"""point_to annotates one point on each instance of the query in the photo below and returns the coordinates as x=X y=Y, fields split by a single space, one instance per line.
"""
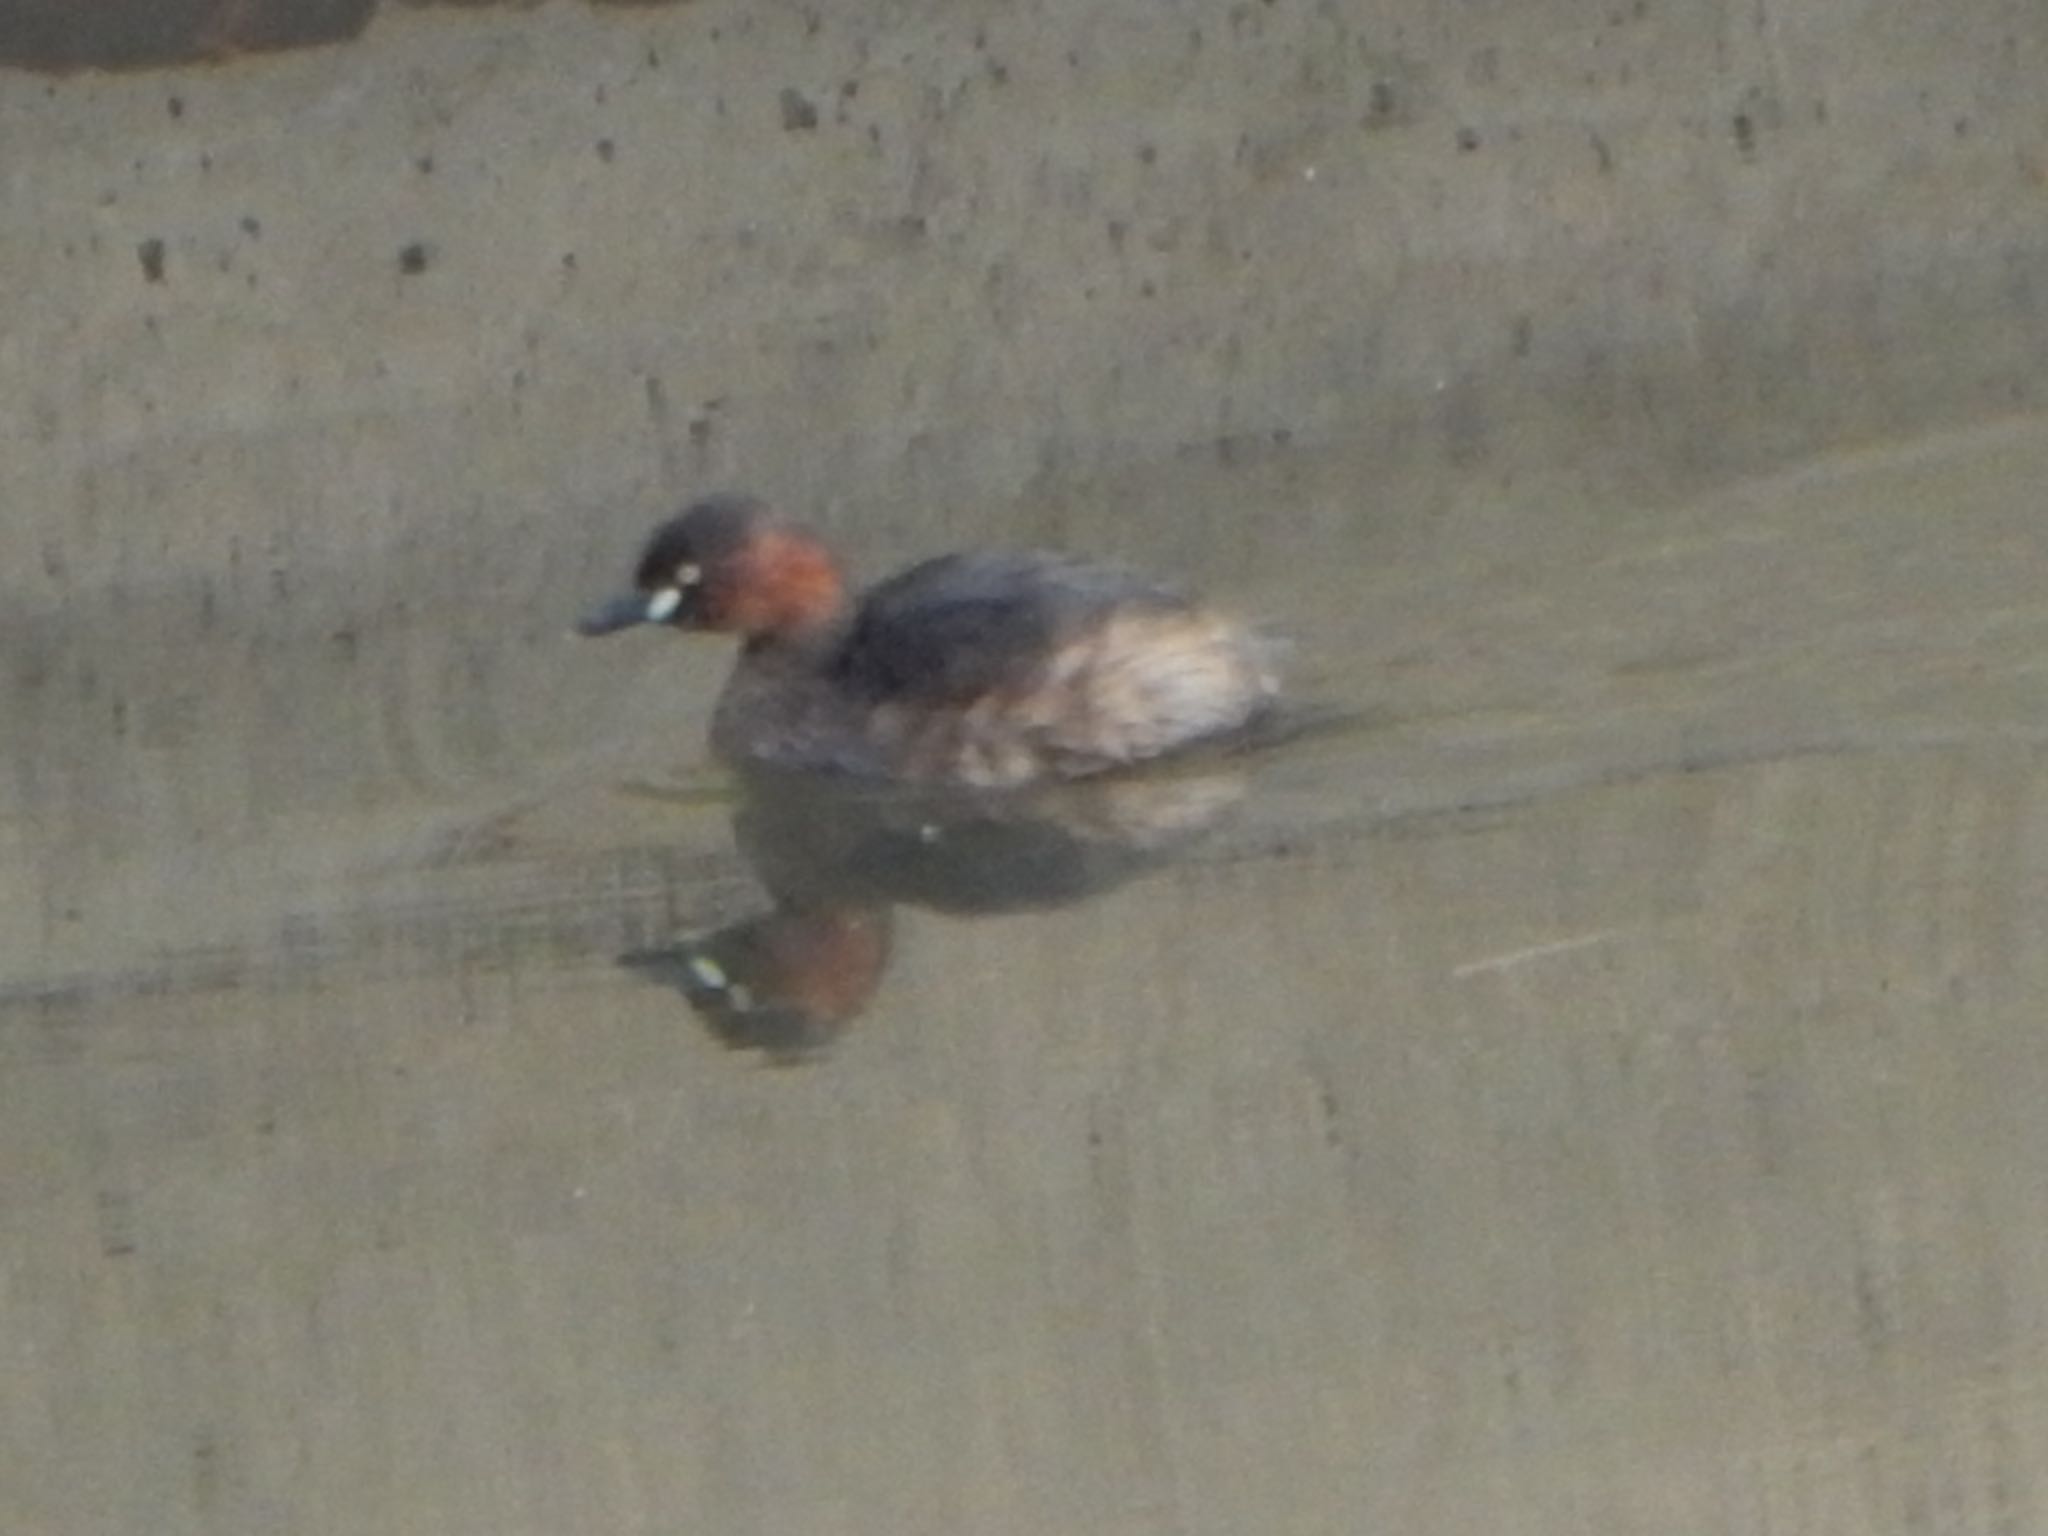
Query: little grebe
x=982 y=670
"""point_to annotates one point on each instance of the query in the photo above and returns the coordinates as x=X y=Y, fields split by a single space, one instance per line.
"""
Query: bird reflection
x=837 y=858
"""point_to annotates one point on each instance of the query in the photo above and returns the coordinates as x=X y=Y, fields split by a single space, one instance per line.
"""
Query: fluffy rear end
x=1147 y=683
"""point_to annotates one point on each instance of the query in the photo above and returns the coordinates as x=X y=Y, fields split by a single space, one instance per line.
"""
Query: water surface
x=1598 y=1089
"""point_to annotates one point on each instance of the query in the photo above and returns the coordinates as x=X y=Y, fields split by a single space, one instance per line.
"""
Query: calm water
x=1594 y=1086
x=1596 y=1089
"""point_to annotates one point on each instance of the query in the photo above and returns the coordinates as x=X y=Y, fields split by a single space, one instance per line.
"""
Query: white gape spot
x=708 y=972
x=662 y=605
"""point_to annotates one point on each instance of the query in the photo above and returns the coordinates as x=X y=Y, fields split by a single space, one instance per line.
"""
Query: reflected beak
x=621 y=613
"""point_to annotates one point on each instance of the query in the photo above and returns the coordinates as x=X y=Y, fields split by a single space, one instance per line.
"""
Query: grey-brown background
x=1602 y=1095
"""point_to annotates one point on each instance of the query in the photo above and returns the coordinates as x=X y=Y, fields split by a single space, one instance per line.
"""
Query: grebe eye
x=689 y=573
x=661 y=606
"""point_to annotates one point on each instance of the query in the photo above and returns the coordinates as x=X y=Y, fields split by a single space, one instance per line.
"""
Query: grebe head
x=729 y=564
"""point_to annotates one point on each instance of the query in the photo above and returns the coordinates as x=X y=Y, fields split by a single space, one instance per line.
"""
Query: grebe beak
x=654 y=607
